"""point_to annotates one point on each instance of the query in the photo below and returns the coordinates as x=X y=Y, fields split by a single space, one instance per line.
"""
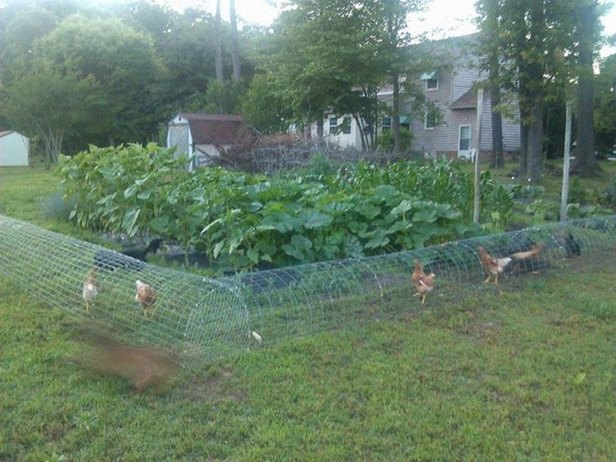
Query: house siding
x=456 y=77
x=343 y=140
x=443 y=140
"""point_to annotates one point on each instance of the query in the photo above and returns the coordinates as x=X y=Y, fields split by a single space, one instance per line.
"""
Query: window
x=431 y=84
x=386 y=123
x=346 y=125
x=431 y=80
x=333 y=124
x=431 y=119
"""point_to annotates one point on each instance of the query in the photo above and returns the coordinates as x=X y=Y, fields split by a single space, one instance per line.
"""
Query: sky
x=443 y=18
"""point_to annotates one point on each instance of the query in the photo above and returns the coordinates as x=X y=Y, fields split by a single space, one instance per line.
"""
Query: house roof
x=216 y=129
x=467 y=101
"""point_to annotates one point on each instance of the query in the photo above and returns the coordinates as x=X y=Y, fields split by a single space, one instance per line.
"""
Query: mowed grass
x=525 y=371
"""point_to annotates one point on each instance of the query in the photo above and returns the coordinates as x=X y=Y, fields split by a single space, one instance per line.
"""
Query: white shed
x=206 y=136
x=14 y=149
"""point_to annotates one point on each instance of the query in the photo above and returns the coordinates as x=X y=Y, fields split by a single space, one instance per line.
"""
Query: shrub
x=385 y=141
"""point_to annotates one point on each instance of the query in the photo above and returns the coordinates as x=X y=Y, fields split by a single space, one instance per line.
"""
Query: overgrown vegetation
x=241 y=220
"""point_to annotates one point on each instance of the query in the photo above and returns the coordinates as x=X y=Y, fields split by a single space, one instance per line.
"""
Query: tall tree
x=17 y=38
x=586 y=37
x=218 y=44
x=388 y=22
x=605 y=106
x=540 y=44
x=125 y=67
x=521 y=35
x=489 y=60
x=49 y=105
x=235 y=48
x=314 y=43
x=334 y=55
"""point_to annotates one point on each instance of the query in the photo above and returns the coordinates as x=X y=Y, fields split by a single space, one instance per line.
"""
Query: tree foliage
x=49 y=105
x=541 y=47
x=334 y=56
x=124 y=65
x=147 y=62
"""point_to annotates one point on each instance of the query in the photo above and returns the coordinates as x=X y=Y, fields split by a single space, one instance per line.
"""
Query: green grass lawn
x=35 y=195
x=525 y=371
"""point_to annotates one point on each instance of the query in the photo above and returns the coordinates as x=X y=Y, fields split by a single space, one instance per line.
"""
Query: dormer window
x=431 y=80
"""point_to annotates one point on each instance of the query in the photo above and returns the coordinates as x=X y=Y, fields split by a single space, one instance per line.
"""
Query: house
x=452 y=130
x=205 y=137
x=14 y=149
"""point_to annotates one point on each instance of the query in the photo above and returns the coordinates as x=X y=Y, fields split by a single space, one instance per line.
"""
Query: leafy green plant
x=541 y=210
x=242 y=220
x=121 y=189
x=385 y=141
x=608 y=195
x=576 y=192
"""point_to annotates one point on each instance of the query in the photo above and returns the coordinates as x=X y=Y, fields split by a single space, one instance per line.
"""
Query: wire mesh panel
x=206 y=318
x=181 y=311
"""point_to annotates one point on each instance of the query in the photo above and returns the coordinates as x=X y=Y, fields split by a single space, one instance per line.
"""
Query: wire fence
x=204 y=318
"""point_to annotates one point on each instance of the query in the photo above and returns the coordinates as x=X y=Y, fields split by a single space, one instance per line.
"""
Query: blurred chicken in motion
x=423 y=282
x=143 y=366
x=146 y=296
x=90 y=289
x=493 y=266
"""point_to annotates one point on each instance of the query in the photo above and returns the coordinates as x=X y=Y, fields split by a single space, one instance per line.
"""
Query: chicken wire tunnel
x=205 y=318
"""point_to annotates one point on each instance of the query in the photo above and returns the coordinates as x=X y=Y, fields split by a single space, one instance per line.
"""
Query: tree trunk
x=395 y=119
x=497 y=129
x=218 y=45
x=361 y=126
x=534 y=168
x=523 y=161
x=235 y=49
x=492 y=24
x=585 y=159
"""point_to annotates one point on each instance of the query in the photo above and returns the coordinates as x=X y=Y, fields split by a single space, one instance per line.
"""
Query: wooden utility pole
x=564 y=197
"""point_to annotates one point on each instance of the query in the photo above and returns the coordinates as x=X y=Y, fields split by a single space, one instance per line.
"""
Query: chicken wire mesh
x=204 y=318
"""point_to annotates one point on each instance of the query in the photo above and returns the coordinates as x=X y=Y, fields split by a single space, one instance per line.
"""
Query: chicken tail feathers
x=533 y=252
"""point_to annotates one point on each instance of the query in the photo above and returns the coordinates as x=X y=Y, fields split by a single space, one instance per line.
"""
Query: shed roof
x=216 y=129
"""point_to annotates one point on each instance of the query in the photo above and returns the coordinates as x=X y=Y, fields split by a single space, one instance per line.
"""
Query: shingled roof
x=467 y=101
x=217 y=129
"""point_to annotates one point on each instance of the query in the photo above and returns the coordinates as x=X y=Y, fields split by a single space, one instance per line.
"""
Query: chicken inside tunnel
x=199 y=318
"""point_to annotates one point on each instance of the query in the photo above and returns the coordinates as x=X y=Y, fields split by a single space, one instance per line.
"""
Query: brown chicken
x=146 y=296
x=491 y=265
x=423 y=282
x=90 y=289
